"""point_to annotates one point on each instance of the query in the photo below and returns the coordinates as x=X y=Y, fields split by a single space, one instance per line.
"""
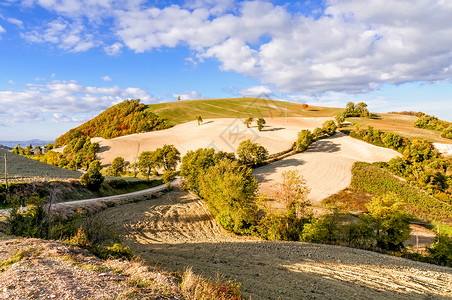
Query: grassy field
x=185 y=111
x=402 y=125
x=369 y=180
x=23 y=169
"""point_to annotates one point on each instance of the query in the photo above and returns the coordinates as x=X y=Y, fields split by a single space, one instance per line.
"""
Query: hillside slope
x=127 y=117
x=177 y=231
x=223 y=134
x=23 y=169
x=186 y=111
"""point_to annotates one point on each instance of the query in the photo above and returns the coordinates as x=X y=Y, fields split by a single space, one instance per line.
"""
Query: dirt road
x=176 y=231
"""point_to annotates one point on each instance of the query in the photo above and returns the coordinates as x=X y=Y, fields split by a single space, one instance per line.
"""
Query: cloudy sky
x=64 y=61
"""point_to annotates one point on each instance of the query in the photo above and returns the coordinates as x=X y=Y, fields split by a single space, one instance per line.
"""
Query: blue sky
x=64 y=61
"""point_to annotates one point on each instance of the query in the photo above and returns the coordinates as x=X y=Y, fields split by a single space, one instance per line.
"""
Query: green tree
x=168 y=177
x=230 y=190
x=260 y=124
x=199 y=119
x=92 y=179
x=248 y=122
x=329 y=127
x=441 y=249
x=167 y=157
x=250 y=153
x=292 y=191
x=350 y=109
x=361 y=110
x=118 y=167
x=305 y=139
x=318 y=133
x=388 y=222
x=196 y=163
x=340 y=118
x=147 y=162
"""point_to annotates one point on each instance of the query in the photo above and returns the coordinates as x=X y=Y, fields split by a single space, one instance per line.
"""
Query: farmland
x=22 y=169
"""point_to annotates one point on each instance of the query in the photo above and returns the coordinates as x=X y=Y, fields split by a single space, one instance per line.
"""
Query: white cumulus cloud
x=62 y=100
x=106 y=78
x=188 y=95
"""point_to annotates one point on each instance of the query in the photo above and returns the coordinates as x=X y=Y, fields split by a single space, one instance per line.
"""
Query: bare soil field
x=176 y=231
x=326 y=165
x=221 y=134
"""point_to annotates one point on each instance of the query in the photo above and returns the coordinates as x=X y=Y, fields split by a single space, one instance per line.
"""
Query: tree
x=199 y=119
x=340 y=118
x=318 y=132
x=118 y=167
x=388 y=222
x=168 y=176
x=305 y=139
x=361 y=110
x=260 y=124
x=147 y=162
x=178 y=98
x=250 y=153
x=293 y=192
x=230 y=190
x=92 y=179
x=167 y=157
x=248 y=122
x=350 y=108
x=329 y=127
x=304 y=105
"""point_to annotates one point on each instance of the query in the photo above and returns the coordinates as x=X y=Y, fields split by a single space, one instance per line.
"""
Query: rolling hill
x=185 y=111
x=131 y=116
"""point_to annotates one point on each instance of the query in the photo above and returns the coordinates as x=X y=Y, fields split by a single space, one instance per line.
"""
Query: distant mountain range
x=33 y=142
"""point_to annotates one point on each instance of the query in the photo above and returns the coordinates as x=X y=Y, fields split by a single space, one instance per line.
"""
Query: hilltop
x=185 y=111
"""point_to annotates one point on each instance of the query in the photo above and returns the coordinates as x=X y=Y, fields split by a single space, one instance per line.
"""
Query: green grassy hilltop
x=185 y=111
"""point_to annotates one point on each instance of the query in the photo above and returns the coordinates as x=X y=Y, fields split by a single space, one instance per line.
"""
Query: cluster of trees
x=306 y=137
x=78 y=154
x=230 y=190
x=433 y=123
x=421 y=164
x=125 y=118
x=260 y=123
x=384 y=227
x=358 y=110
x=165 y=158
